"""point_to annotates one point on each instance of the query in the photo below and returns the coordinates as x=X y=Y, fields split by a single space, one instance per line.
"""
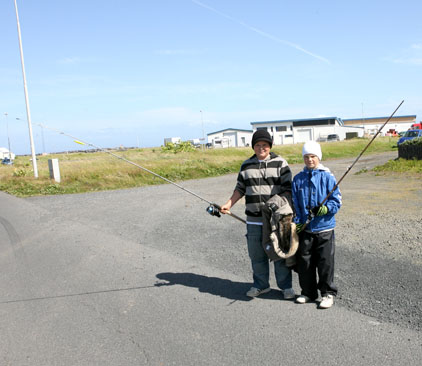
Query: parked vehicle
x=391 y=132
x=409 y=135
x=7 y=161
x=333 y=137
x=416 y=126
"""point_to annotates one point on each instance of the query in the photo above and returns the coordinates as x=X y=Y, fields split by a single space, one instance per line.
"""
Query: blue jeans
x=260 y=262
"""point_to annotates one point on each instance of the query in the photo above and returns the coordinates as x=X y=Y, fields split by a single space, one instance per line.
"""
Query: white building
x=372 y=125
x=195 y=142
x=4 y=153
x=295 y=131
x=230 y=137
x=172 y=140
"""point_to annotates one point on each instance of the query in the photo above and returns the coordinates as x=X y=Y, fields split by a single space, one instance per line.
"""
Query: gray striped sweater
x=259 y=181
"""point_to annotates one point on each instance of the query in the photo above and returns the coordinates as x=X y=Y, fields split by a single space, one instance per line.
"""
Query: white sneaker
x=326 y=302
x=289 y=293
x=254 y=292
x=302 y=299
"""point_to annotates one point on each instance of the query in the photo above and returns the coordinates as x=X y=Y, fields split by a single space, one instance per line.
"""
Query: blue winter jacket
x=309 y=188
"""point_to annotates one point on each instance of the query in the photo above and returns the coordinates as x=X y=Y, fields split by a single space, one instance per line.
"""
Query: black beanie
x=262 y=135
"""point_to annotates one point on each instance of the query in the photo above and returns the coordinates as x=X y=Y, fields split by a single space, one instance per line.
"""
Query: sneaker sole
x=305 y=301
x=325 y=307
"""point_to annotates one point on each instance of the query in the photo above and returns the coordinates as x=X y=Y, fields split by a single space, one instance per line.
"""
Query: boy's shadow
x=214 y=286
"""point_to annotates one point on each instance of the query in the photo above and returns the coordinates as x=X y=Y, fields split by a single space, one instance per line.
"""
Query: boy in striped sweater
x=262 y=176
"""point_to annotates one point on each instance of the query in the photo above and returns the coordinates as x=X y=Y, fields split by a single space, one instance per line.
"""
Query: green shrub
x=20 y=172
x=184 y=146
x=401 y=166
x=417 y=141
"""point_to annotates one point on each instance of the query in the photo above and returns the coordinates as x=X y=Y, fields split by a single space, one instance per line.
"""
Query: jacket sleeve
x=333 y=202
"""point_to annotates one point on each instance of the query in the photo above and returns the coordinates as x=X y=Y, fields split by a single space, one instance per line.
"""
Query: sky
x=134 y=72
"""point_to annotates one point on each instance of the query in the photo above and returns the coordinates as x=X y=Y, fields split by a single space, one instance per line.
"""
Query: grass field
x=88 y=172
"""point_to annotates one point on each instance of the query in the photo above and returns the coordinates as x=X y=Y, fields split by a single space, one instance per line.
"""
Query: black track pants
x=316 y=254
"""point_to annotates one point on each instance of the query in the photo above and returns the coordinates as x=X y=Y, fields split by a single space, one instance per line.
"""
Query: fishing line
x=361 y=153
x=213 y=208
x=311 y=213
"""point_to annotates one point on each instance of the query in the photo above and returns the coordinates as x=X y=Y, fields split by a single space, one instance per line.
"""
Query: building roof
x=372 y=120
x=229 y=129
x=296 y=120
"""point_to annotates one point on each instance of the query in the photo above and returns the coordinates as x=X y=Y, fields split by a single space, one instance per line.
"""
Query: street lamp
x=28 y=113
x=8 y=139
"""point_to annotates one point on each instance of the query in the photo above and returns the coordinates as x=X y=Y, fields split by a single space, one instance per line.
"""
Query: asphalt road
x=146 y=277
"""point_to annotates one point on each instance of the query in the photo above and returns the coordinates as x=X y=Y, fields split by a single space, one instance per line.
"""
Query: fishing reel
x=214 y=210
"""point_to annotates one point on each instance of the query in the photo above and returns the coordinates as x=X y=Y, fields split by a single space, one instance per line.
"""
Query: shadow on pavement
x=214 y=286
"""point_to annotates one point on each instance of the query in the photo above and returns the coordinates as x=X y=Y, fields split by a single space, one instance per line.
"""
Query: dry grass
x=86 y=172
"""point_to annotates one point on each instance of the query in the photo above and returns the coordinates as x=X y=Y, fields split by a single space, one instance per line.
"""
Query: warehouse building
x=371 y=125
x=295 y=131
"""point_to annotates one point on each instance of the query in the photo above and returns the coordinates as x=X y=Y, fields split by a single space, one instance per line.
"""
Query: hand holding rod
x=229 y=213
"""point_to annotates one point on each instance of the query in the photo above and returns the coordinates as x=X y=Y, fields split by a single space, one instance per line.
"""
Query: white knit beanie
x=312 y=147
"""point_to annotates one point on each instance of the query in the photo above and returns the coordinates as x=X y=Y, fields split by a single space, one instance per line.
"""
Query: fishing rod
x=213 y=209
x=312 y=213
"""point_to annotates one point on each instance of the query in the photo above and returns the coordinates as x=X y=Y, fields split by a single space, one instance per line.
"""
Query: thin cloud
x=78 y=60
x=69 y=60
x=408 y=61
x=409 y=56
x=262 y=33
x=176 y=52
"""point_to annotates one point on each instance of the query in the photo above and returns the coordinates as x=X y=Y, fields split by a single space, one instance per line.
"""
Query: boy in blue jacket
x=316 y=239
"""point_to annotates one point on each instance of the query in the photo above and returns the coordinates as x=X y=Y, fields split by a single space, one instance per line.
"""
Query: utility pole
x=28 y=112
x=203 y=131
x=8 y=138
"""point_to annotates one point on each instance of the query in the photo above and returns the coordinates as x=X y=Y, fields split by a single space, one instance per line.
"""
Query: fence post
x=53 y=166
